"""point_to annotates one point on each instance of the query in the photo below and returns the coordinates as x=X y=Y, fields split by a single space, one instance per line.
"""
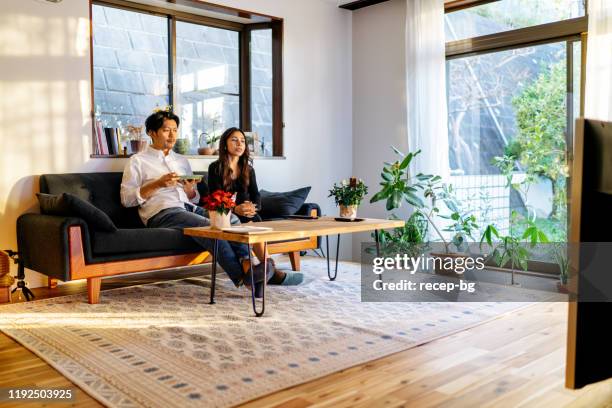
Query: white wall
x=379 y=98
x=45 y=101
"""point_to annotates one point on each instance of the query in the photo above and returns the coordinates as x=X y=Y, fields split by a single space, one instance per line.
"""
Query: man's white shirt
x=150 y=165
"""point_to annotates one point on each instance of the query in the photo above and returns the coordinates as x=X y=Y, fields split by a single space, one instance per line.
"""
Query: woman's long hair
x=244 y=162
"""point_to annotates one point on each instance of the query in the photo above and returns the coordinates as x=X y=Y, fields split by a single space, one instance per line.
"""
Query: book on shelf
x=100 y=138
x=111 y=140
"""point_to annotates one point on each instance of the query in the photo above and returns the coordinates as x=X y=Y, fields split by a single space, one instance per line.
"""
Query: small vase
x=348 y=211
x=219 y=220
x=138 y=145
x=181 y=146
x=206 y=151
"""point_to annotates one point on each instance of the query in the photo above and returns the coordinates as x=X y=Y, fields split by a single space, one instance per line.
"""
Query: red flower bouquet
x=220 y=201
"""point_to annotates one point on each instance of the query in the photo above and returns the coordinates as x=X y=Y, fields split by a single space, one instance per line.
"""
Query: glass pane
x=577 y=48
x=130 y=53
x=207 y=76
x=505 y=15
x=507 y=135
x=261 y=91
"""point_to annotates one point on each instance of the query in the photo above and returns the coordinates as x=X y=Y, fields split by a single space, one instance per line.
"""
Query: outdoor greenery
x=523 y=13
x=539 y=147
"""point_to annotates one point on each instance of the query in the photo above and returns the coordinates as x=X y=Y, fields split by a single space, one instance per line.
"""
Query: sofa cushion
x=70 y=205
x=275 y=204
x=100 y=189
x=103 y=191
x=141 y=240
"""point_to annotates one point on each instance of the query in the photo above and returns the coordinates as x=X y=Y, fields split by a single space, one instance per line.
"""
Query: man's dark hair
x=156 y=120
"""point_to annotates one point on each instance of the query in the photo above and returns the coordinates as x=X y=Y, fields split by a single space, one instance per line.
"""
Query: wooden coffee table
x=287 y=230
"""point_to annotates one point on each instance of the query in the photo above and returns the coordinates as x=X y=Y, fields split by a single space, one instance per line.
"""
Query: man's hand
x=167 y=180
x=190 y=187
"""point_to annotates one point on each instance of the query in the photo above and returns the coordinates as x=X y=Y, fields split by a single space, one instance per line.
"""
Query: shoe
x=258 y=272
x=292 y=279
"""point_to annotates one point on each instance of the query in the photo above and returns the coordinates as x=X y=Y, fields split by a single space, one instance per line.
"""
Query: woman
x=234 y=172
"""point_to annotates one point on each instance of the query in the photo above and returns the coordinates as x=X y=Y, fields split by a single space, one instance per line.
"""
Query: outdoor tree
x=539 y=146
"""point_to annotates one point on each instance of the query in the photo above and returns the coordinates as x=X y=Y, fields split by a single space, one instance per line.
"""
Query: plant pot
x=562 y=288
x=348 y=211
x=205 y=151
x=181 y=146
x=138 y=145
x=439 y=267
x=219 y=220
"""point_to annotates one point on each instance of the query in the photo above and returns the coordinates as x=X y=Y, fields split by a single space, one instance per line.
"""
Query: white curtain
x=598 y=93
x=426 y=86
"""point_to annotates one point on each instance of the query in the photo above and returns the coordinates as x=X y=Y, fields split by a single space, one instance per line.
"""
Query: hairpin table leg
x=377 y=240
x=213 y=279
x=263 y=296
x=327 y=253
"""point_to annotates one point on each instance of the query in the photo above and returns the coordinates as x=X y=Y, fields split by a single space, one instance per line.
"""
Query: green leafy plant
x=398 y=186
x=409 y=239
x=349 y=192
x=512 y=248
x=558 y=252
x=463 y=223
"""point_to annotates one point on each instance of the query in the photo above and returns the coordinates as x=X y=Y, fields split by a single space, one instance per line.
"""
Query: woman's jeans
x=228 y=253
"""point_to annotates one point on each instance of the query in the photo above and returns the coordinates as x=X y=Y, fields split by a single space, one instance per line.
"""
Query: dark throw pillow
x=282 y=204
x=70 y=205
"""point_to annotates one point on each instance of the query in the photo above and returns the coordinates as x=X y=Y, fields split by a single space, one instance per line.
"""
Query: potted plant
x=398 y=186
x=463 y=225
x=212 y=141
x=181 y=146
x=559 y=254
x=409 y=239
x=511 y=250
x=204 y=148
x=348 y=196
x=219 y=205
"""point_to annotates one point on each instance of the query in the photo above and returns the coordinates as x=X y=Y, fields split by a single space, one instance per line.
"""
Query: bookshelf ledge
x=195 y=156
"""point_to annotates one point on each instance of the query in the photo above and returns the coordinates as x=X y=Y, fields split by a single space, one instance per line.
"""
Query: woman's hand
x=246 y=209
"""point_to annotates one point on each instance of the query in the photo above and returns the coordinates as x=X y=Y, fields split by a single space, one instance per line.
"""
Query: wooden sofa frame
x=95 y=272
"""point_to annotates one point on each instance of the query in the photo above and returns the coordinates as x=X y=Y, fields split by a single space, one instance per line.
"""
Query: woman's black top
x=215 y=182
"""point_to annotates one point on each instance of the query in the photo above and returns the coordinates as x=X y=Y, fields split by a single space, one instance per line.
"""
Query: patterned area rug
x=163 y=345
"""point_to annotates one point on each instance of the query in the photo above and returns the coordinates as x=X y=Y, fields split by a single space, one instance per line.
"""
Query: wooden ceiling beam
x=449 y=5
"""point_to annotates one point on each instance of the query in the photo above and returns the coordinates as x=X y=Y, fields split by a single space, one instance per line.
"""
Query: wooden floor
x=514 y=361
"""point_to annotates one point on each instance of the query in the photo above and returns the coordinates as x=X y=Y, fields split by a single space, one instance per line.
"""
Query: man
x=150 y=181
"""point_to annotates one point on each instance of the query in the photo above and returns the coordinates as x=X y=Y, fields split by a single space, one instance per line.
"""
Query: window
x=208 y=81
x=505 y=15
x=130 y=65
x=513 y=94
x=215 y=73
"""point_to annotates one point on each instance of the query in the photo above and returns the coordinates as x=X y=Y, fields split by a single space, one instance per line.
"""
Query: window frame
x=244 y=30
x=568 y=31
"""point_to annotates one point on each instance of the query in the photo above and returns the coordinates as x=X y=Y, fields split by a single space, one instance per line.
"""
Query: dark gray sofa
x=46 y=243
